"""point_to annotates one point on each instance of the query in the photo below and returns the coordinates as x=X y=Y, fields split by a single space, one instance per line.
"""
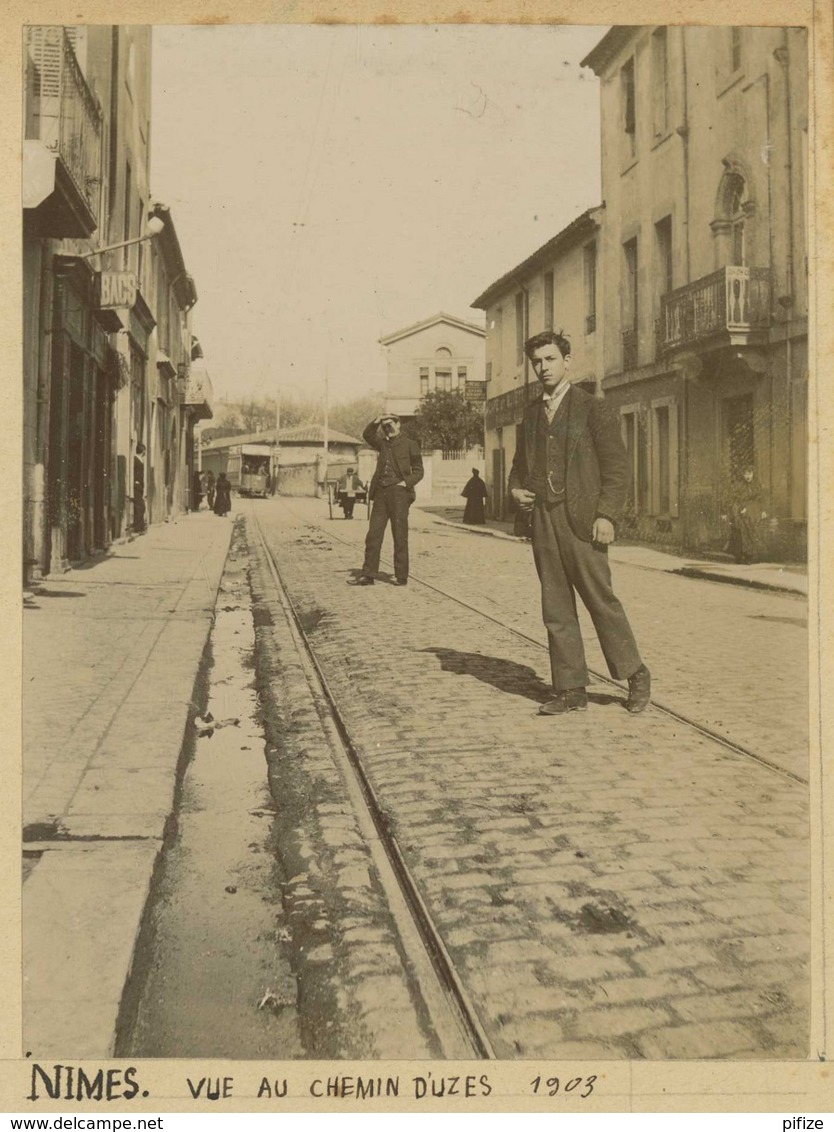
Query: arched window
x=734 y=212
x=443 y=369
x=735 y=194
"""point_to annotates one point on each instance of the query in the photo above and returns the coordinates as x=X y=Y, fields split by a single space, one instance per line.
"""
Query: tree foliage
x=445 y=419
x=352 y=417
x=259 y=415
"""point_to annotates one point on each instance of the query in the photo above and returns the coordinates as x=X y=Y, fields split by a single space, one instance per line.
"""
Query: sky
x=330 y=185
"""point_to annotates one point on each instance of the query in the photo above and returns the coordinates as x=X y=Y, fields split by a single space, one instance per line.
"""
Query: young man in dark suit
x=570 y=471
x=399 y=468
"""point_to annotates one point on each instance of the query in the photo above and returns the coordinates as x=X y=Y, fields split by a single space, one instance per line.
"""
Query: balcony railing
x=630 y=349
x=732 y=301
x=63 y=113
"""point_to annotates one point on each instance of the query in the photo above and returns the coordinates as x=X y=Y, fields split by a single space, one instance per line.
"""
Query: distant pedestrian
x=348 y=487
x=570 y=471
x=474 y=493
x=747 y=519
x=139 y=488
x=222 y=495
x=196 y=491
x=399 y=468
x=210 y=489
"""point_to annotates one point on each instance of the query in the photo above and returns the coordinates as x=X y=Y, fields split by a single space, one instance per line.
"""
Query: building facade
x=441 y=353
x=172 y=411
x=704 y=303
x=99 y=381
x=299 y=463
x=557 y=286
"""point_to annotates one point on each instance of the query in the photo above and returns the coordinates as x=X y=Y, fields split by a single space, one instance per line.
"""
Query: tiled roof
x=301 y=434
x=600 y=56
x=583 y=225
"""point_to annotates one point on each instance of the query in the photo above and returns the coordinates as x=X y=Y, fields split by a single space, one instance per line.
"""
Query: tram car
x=255 y=463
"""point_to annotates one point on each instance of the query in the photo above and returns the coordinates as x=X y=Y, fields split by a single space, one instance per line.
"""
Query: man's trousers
x=568 y=565
x=390 y=503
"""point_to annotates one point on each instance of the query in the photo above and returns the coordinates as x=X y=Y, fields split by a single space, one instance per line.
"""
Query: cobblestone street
x=422 y=566
x=607 y=885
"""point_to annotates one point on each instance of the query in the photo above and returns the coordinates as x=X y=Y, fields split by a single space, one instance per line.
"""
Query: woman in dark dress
x=474 y=493
x=222 y=495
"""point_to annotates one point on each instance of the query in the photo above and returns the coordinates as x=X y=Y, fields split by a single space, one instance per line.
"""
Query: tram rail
x=666 y=709
x=464 y=1028
x=453 y=1016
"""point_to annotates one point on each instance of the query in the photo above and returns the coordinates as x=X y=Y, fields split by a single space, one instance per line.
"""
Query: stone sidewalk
x=792 y=578
x=111 y=653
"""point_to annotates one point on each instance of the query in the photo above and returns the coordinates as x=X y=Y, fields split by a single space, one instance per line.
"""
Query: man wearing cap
x=570 y=471
x=347 y=489
x=399 y=468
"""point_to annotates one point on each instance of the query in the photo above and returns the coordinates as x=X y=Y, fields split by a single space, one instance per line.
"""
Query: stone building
x=178 y=389
x=440 y=353
x=299 y=464
x=106 y=330
x=704 y=301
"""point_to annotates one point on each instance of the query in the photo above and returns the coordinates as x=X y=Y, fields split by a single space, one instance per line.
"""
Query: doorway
x=77 y=486
x=498 y=498
x=738 y=435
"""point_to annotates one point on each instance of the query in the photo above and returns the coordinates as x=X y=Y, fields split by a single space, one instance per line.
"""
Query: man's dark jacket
x=596 y=472
x=406 y=454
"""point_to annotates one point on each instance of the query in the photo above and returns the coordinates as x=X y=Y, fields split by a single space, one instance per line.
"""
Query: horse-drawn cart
x=338 y=499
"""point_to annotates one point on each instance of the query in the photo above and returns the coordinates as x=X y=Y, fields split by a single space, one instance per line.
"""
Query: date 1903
x=553 y=1086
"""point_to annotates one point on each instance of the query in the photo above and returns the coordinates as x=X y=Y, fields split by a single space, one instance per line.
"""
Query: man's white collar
x=558 y=392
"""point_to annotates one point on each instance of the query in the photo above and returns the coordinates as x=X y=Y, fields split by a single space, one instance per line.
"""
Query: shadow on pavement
x=603 y=698
x=505 y=675
x=60 y=593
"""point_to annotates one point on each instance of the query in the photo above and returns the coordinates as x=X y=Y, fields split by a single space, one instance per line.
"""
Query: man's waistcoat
x=592 y=461
x=547 y=478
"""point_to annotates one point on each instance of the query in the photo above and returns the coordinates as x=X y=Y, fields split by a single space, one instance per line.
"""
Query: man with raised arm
x=399 y=468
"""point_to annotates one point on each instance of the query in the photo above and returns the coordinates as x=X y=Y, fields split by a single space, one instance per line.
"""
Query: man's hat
x=389 y=417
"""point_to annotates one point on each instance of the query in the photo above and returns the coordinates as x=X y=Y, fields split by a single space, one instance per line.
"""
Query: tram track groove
x=525 y=941
x=737 y=749
x=453 y=1016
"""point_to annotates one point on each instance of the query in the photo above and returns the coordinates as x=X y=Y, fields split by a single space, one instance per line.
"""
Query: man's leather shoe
x=362 y=580
x=639 y=690
x=401 y=581
x=573 y=699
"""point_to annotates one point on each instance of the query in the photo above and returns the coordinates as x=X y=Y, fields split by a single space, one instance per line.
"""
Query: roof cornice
x=450 y=319
x=169 y=244
x=611 y=43
x=579 y=229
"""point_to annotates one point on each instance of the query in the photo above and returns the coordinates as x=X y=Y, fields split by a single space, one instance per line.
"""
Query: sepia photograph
x=511 y=318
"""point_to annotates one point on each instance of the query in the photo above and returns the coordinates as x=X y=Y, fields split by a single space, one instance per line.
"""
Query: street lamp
x=154 y=227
